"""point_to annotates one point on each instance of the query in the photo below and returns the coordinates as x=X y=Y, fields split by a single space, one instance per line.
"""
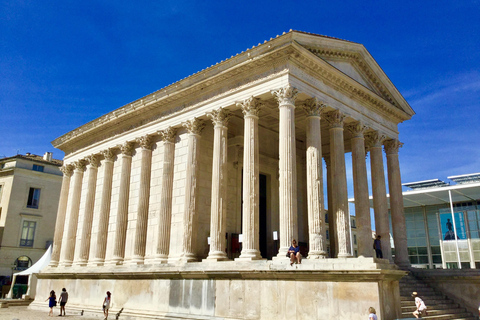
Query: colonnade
x=363 y=138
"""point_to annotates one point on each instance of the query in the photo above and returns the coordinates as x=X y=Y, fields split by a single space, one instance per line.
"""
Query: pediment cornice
x=357 y=60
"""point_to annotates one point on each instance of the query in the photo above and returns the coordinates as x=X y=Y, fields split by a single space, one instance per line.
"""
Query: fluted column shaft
x=104 y=215
x=331 y=212
x=251 y=187
x=339 y=184
x=61 y=212
x=123 y=200
x=379 y=192
x=396 y=203
x=165 y=215
x=315 y=180
x=194 y=128
x=88 y=213
x=287 y=168
x=218 y=217
x=360 y=189
x=73 y=214
x=146 y=143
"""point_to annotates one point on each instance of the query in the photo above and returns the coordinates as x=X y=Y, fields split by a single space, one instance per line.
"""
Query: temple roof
x=362 y=78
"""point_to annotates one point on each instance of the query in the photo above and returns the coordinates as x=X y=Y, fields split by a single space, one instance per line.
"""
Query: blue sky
x=65 y=63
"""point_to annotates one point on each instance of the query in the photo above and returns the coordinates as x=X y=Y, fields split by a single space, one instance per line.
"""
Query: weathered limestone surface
x=310 y=291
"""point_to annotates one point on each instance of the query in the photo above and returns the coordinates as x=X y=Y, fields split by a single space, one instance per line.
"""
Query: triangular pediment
x=354 y=61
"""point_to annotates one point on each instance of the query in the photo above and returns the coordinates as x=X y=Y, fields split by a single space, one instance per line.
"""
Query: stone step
x=435 y=312
x=448 y=316
x=406 y=308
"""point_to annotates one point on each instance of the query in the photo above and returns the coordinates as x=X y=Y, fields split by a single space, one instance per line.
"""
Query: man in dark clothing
x=377 y=245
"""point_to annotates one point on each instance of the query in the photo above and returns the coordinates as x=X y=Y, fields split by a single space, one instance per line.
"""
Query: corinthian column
x=287 y=168
x=218 y=222
x=104 y=207
x=331 y=214
x=396 y=203
x=146 y=143
x=165 y=216
x=69 y=251
x=379 y=191
x=360 y=189
x=316 y=225
x=194 y=128
x=339 y=184
x=251 y=188
x=123 y=198
x=62 y=210
x=88 y=213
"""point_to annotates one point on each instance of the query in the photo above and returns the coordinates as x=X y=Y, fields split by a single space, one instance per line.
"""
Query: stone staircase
x=439 y=307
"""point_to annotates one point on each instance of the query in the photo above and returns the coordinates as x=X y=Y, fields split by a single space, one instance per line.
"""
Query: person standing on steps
x=421 y=307
x=373 y=314
x=106 y=304
x=63 y=301
x=377 y=245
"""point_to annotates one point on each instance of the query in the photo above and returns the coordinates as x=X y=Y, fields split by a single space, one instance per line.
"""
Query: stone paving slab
x=23 y=313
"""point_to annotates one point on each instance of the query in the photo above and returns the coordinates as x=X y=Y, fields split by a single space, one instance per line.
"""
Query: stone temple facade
x=157 y=193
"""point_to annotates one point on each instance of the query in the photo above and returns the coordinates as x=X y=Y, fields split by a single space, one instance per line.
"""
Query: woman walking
x=106 y=304
x=51 y=302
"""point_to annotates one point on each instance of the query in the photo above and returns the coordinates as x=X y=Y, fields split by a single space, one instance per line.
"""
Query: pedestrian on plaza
x=377 y=245
x=106 y=304
x=421 y=307
x=63 y=301
x=373 y=314
x=52 y=302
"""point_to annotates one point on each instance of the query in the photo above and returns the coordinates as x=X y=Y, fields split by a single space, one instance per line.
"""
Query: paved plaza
x=23 y=313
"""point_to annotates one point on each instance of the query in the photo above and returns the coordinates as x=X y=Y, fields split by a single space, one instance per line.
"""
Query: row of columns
x=336 y=180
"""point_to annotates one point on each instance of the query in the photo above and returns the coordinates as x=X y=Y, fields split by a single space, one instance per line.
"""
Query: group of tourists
x=52 y=302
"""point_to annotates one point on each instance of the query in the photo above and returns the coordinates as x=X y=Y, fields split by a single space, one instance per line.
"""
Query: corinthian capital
x=168 y=135
x=313 y=107
x=80 y=165
x=93 y=160
x=108 y=154
x=335 y=118
x=250 y=106
x=194 y=126
x=219 y=117
x=126 y=148
x=146 y=142
x=374 y=139
x=392 y=145
x=357 y=129
x=67 y=170
x=285 y=95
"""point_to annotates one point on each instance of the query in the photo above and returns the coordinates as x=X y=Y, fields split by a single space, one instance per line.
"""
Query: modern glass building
x=443 y=222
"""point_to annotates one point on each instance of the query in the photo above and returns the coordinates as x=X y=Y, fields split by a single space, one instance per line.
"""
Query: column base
x=216 y=256
x=80 y=263
x=317 y=255
x=65 y=264
x=184 y=258
x=160 y=259
x=115 y=261
x=344 y=255
x=248 y=255
x=136 y=260
x=53 y=264
x=96 y=262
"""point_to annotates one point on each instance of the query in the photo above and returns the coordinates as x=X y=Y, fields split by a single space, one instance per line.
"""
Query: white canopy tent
x=31 y=273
